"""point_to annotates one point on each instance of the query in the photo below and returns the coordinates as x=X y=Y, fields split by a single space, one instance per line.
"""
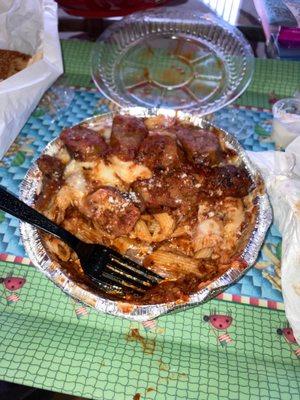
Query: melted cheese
x=63 y=155
x=219 y=227
x=233 y=218
x=208 y=234
x=105 y=173
x=129 y=171
x=74 y=177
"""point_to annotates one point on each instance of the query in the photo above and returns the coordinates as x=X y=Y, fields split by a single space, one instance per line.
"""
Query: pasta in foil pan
x=167 y=189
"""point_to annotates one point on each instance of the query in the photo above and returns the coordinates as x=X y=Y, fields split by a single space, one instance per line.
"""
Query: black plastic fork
x=102 y=264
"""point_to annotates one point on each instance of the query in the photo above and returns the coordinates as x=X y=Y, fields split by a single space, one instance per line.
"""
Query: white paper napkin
x=28 y=26
x=281 y=171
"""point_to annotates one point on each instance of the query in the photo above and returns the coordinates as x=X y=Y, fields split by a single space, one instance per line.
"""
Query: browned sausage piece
x=107 y=207
x=160 y=152
x=174 y=190
x=227 y=181
x=127 y=134
x=51 y=167
x=202 y=147
x=84 y=144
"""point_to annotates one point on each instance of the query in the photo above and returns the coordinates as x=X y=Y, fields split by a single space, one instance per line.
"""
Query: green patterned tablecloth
x=52 y=342
x=219 y=351
x=272 y=78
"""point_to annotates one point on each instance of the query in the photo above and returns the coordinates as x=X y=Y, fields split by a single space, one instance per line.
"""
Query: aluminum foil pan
x=38 y=255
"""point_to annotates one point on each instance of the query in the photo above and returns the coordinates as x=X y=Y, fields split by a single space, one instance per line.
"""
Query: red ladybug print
x=288 y=334
x=13 y=283
x=219 y=322
x=289 y=337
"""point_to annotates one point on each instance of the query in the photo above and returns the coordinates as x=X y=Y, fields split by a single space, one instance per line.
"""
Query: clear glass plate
x=166 y=59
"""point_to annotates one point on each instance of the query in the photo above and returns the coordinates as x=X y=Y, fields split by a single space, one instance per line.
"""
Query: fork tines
x=125 y=272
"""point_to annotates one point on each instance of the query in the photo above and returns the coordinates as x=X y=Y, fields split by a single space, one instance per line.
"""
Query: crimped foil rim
x=37 y=253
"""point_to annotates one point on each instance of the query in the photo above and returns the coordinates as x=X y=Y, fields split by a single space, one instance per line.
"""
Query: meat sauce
x=156 y=219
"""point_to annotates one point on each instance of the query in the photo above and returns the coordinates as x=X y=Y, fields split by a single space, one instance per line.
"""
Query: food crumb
x=150 y=389
x=125 y=307
x=148 y=345
x=137 y=396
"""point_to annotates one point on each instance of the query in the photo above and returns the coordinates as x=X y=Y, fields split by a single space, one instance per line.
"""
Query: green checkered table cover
x=50 y=341
x=221 y=350
x=272 y=78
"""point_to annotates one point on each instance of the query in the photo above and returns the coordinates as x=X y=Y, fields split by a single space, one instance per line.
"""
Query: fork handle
x=12 y=205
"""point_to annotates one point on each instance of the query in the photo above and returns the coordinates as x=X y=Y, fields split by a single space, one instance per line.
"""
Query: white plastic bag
x=28 y=26
x=281 y=171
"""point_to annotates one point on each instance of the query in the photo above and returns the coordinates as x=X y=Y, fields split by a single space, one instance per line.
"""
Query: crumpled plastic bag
x=28 y=26
x=281 y=172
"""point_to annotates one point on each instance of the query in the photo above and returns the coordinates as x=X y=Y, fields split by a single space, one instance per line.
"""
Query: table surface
x=50 y=341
